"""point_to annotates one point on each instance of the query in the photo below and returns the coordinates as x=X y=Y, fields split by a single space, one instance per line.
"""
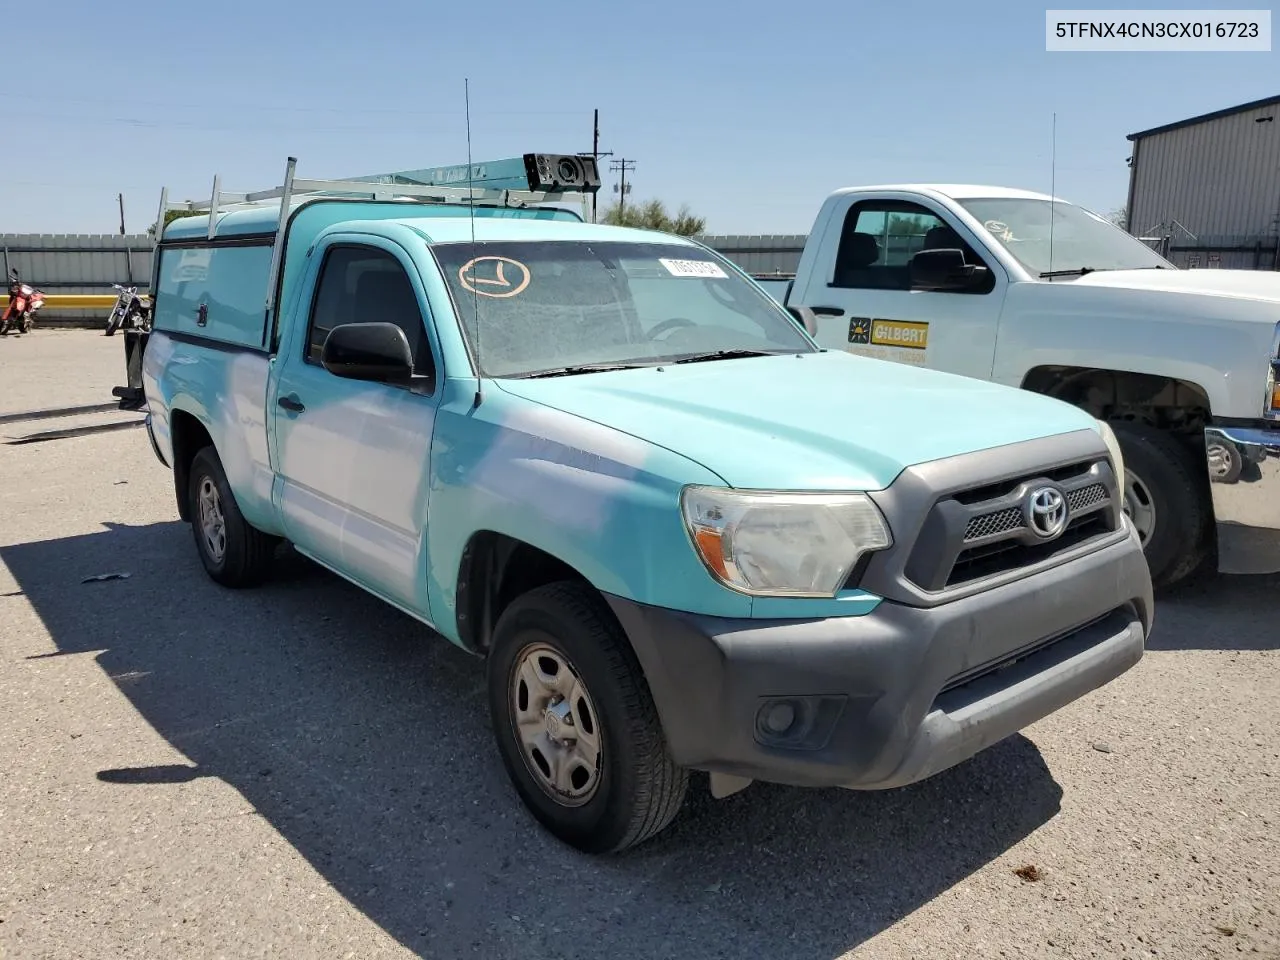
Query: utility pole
x=128 y=254
x=596 y=155
x=622 y=166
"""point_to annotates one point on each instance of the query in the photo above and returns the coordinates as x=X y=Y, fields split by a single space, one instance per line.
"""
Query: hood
x=1249 y=284
x=829 y=420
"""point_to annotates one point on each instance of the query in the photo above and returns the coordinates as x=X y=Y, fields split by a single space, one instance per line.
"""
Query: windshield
x=533 y=307
x=1081 y=240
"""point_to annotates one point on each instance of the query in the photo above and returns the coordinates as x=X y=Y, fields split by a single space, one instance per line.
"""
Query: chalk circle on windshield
x=1000 y=229
x=494 y=277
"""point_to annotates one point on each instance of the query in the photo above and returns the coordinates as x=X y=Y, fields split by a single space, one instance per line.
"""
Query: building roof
x=1216 y=114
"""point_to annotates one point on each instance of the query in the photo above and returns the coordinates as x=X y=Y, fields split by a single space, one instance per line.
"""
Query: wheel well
x=189 y=437
x=1164 y=402
x=495 y=570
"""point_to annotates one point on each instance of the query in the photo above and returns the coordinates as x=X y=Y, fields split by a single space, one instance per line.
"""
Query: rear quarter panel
x=225 y=391
x=215 y=371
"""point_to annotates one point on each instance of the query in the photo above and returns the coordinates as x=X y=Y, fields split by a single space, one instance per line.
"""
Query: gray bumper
x=1246 y=497
x=899 y=694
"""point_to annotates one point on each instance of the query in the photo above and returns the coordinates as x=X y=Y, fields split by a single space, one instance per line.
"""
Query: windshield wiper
x=725 y=355
x=1078 y=272
x=583 y=368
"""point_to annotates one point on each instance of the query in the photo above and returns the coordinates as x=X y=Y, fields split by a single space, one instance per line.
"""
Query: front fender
x=1214 y=342
x=604 y=502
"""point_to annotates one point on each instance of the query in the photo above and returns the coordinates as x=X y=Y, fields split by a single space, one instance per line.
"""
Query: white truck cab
x=1030 y=290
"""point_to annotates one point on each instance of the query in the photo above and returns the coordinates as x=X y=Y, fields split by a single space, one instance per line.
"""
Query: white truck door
x=861 y=288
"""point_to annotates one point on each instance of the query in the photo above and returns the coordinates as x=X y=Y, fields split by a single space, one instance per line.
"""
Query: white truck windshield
x=530 y=308
x=1082 y=241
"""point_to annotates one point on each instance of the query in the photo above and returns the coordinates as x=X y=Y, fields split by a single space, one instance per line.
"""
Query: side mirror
x=945 y=270
x=368 y=351
x=807 y=319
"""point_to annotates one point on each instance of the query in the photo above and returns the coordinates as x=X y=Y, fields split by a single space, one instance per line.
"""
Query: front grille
x=978 y=563
x=1010 y=518
x=983 y=531
x=1086 y=497
x=988 y=525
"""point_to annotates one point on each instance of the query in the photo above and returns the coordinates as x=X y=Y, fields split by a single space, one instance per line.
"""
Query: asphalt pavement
x=301 y=771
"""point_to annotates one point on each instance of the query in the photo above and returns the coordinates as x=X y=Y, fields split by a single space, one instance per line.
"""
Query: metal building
x=1211 y=186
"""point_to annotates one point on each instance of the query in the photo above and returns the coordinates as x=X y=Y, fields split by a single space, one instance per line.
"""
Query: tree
x=169 y=217
x=652 y=215
x=1120 y=217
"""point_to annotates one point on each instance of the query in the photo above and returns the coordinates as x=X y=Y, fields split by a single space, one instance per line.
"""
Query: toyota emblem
x=1047 y=512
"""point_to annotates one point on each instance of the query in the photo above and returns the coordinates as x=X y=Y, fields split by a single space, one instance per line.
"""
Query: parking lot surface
x=301 y=771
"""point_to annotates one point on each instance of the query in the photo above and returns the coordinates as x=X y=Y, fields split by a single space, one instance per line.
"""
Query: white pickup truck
x=1032 y=291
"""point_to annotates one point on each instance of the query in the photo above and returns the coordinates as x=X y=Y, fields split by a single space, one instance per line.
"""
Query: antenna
x=471 y=213
x=1053 y=182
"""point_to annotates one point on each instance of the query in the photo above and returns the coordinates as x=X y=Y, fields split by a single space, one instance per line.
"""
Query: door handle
x=828 y=311
x=292 y=404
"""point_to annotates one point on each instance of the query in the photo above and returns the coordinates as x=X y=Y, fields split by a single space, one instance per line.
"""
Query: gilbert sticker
x=889 y=333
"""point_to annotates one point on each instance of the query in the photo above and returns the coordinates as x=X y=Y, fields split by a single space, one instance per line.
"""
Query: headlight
x=1113 y=447
x=768 y=543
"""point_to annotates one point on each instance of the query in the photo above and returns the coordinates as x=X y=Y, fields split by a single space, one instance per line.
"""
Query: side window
x=366 y=285
x=879 y=238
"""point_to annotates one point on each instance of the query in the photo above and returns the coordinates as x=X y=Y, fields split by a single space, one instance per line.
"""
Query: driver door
x=862 y=295
x=353 y=457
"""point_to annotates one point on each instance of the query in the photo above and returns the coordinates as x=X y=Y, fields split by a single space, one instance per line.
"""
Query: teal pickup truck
x=681 y=535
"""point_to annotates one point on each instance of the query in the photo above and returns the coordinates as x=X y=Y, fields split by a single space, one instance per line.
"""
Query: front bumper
x=1246 y=502
x=899 y=694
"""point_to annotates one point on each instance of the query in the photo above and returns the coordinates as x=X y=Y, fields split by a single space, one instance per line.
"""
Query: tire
x=1167 y=497
x=1225 y=462
x=114 y=322
x=637 y=789
x=245 y=553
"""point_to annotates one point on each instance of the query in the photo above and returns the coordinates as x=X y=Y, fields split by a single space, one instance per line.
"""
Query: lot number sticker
x=703 y=269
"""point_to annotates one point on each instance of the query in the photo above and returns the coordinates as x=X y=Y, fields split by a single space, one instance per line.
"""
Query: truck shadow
x=365 y=742
x=1219 y=612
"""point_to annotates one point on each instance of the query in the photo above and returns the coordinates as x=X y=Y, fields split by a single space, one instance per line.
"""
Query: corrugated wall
x=772 y=253
x=1220 y=177
x=77 y=263
x=91 y=263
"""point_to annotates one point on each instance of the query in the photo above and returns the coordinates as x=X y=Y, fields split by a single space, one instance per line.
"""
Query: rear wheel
x=234 y=553
x=1167 y=499
x=575 y=723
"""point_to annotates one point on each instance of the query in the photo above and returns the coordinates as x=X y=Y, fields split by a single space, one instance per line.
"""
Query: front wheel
x=575 y=723
x=1166 y=498
x=234 y=553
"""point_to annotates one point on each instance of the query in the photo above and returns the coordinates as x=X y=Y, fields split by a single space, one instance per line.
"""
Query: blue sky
x=750 y=112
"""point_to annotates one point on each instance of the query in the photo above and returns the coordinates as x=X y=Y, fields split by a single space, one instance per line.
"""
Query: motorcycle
x=25 y=301
x=132 y=310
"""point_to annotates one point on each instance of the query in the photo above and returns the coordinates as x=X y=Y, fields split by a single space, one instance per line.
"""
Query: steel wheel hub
x=1219 y=461
x=556 y=724
x=213 y=526
x=1139 y=505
